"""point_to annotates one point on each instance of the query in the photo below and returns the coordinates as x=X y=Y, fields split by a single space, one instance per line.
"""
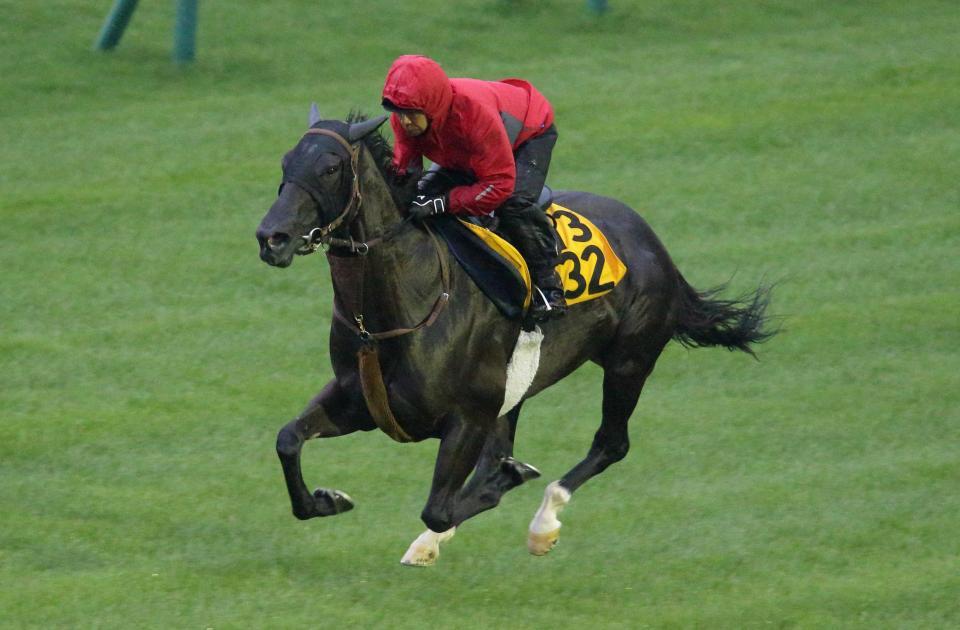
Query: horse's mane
x=402 y=188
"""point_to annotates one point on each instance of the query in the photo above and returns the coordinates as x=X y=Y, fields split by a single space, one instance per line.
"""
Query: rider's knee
x=517 y=204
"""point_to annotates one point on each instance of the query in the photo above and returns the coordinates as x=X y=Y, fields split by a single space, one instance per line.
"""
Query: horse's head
x=320 y=190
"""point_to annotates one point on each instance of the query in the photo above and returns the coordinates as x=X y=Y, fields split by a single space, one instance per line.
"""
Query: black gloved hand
x=423 y=206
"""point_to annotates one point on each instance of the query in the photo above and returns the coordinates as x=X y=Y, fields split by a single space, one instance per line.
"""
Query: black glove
x=423 y=206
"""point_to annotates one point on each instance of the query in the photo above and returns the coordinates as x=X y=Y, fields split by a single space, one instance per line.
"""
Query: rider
x=501 y=133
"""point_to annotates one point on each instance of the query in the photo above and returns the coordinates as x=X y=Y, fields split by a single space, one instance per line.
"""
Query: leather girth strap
x=375 y=393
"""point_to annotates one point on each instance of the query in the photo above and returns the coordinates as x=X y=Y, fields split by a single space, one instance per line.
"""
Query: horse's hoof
x=520 y=471
x=541 y=544
x=545 y=527
x=330 y=502
x=425 y=550
x=420 y=556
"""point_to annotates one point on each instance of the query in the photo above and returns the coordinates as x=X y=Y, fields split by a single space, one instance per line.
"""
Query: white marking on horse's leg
x=522 y=368
x=545 y=527
x=425 y=550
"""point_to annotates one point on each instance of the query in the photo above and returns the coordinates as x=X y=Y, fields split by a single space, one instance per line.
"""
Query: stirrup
x=543 y=309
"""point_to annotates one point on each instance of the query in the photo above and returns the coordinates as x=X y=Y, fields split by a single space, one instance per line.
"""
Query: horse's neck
x=399 y=277
x=379 y=212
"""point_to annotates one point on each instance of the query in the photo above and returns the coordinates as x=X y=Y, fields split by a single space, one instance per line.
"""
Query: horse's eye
x=331 y=170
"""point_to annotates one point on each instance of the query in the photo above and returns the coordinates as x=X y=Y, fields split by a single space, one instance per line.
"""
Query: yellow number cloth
x=589 y=267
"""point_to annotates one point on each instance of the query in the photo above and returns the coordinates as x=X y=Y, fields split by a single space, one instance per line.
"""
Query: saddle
x=588 y=269
x=495 y=266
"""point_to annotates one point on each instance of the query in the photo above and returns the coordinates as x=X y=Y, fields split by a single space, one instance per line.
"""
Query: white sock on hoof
x=555 y=498
x=425 y=550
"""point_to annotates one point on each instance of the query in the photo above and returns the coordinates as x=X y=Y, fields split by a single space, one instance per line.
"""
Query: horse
x=419 y=352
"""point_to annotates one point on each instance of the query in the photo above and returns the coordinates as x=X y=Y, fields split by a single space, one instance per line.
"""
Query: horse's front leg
x=460 y=448
x=330 y=414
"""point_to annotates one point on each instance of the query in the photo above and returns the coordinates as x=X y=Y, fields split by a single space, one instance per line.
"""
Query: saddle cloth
x=588 y=269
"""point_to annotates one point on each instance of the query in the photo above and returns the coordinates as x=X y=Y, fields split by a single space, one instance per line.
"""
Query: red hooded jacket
x=475 y=126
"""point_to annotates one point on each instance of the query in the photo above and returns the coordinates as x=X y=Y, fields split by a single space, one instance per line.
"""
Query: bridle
x=320 y=236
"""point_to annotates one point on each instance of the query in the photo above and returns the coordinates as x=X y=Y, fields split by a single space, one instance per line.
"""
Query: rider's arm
x=492 y=164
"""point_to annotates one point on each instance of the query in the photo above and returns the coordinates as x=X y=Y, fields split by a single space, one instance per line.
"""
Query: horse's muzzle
x=275 y=248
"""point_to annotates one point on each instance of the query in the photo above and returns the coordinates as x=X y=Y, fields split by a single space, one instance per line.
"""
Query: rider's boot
x=537 y=243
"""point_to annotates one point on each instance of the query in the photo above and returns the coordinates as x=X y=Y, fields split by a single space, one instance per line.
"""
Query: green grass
x=147 y=356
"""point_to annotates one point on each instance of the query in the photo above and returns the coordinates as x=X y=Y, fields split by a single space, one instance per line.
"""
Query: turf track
x=147 y=357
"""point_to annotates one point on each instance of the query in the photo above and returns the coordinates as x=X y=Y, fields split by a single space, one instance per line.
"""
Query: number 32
x=590 y=251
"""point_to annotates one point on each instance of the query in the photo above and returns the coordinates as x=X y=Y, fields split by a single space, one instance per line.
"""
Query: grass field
x=147 y=356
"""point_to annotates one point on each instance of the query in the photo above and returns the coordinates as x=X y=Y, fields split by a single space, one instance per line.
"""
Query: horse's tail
x=735 y=324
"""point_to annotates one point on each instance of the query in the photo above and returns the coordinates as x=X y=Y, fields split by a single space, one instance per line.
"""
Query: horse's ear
x=361 y=129
x=315 y=116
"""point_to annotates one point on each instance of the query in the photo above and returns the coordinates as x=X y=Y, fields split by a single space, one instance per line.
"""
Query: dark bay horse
x=441 y=348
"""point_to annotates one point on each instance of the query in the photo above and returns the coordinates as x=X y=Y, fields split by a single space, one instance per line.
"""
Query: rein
x=319 y=236
x=357 y=322
x=322 y=235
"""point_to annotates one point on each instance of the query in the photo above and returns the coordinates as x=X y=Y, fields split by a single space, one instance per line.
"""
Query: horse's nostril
x=277 y=241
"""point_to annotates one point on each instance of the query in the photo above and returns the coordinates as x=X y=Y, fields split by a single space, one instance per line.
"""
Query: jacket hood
x=417 y=82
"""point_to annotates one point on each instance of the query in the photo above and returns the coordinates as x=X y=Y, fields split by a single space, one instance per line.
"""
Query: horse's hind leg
x=611 y=441
x=622 y=383
x=330 y=414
